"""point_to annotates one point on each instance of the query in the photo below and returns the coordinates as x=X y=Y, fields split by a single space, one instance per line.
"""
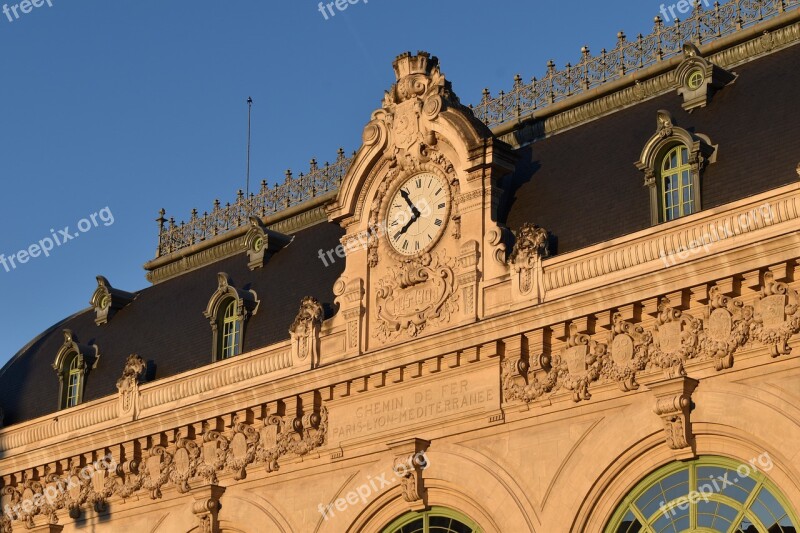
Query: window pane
x=677 y=187
x=715 y=479
x=230 y=344
x=629 y=524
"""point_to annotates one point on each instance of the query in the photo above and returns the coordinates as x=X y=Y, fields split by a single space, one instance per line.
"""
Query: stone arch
x=772 y=418
x=457 y=478
x=239 y=509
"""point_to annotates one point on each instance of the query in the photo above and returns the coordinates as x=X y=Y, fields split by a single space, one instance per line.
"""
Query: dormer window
x=107 y=300
x=672 y=162
x=231 y=327
x=228 y=311
x=73 y=363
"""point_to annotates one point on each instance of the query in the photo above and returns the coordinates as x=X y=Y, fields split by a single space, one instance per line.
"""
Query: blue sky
x=135 y=106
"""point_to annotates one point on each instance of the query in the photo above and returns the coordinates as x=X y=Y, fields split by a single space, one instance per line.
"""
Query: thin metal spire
x=249 y=109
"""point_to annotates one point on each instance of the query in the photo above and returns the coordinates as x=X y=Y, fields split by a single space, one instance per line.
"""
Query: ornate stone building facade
x=571 y=308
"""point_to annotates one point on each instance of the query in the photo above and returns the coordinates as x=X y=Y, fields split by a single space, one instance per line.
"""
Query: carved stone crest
x=776 y=315
x=579 y=363
x=676 y=339
x=629 y=353
x=241 y=449
x=727 y=328
x=421 y=294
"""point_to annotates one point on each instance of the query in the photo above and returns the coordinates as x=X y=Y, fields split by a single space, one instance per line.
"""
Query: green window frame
x=74 y=383
x=435 y=520
x=231 y=329
x=707 y=495
x=677 y=184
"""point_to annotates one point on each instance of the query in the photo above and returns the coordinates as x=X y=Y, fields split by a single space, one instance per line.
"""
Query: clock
x=418 y=213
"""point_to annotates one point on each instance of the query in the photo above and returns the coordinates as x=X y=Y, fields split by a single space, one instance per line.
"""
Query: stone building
x=572 y=307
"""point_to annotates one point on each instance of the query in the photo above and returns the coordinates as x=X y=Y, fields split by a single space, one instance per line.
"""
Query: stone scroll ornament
x=304 y=331
x=421 y=294
x=178 y=463
x=530 y=247
x=128 y=387
x=531 y=388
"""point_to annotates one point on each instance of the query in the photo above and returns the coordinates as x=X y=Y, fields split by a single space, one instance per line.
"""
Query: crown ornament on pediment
x=418 y=76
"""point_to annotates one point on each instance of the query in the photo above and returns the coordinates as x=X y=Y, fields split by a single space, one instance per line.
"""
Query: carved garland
x=677 y=337
x=178 y=464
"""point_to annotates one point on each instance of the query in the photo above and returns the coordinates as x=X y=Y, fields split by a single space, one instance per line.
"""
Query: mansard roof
x=165 y=324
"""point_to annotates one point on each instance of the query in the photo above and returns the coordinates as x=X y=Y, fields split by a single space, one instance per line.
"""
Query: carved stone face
x=418 y=214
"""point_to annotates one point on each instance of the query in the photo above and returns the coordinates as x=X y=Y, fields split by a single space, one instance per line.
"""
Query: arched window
x=231 y=328
x=677 y=184
x=72 y=364
x=73 y=379
x=672 y=162
x=228 y=311
x=437 y=520
x=708 y=495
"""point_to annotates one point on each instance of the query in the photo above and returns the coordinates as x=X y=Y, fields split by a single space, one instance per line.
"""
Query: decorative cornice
x=238 y=241
x=662 y=245
x=558 y=361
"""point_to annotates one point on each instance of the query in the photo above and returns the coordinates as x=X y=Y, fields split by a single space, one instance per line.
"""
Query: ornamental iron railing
x=269 y=200
x=703 y=26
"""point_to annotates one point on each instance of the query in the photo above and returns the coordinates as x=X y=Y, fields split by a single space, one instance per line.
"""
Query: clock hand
x=414 y=209
x=408 y=225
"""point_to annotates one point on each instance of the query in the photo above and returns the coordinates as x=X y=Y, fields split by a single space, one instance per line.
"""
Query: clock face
x=418 y=213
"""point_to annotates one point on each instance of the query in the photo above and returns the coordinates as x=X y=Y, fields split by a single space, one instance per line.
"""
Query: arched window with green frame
x=677 y=184
x=707 y=495
x=436 y=520
x=231 y=328
x=73 y=382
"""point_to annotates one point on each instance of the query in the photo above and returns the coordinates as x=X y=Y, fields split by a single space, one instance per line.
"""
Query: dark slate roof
x=165 y=325
x=583 y=187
